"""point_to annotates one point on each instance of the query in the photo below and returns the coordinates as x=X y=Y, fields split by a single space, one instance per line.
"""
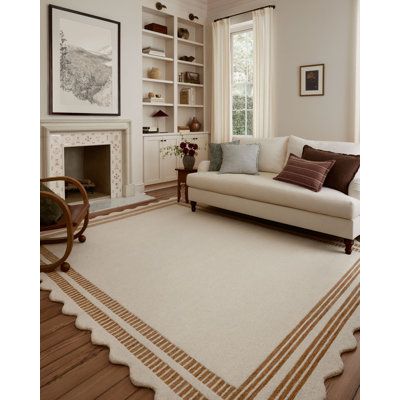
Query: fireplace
x=91 y=166
x=106 y=143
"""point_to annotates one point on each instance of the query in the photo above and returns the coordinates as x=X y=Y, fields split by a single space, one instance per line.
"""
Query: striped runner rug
x=212 y=306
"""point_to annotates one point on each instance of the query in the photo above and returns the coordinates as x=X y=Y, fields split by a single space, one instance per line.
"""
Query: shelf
x=157 y=57
x=157 y=81
x=156 y=34
x=158 y=104
x=191 y=105
x=184 y=41
x=190 y=63
x=190 y=84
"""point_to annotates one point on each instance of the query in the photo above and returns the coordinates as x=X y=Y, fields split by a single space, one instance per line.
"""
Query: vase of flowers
x=186 y=150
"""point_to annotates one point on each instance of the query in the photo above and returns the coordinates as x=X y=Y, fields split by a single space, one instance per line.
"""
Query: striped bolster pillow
x=309 y=174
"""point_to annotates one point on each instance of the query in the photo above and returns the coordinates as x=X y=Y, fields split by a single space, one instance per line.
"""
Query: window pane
x=238 y=122
x=242 y=82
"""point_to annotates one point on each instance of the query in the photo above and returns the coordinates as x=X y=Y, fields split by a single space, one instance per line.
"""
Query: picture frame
x=84 y=63
x=312 y=80
x=192 y=77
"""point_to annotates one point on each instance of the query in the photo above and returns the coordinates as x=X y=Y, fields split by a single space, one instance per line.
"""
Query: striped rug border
x=161 y=369
x=191 y=365
x=316 y=350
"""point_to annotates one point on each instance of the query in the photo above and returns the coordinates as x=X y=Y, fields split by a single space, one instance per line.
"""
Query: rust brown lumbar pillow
x=342 y=173
x=309 y=174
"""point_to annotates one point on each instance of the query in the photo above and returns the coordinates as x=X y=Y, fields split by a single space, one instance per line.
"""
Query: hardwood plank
x=142 y=394
x=345 y=385
x=59 y=336
x=66 y=346
x=53 y=324
x=97 y=384
x=68 y=362
x=121 y=390
x=74 y=377
x=50 y=312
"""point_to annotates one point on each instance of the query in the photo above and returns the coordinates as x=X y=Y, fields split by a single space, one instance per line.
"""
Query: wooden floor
x=74 y=368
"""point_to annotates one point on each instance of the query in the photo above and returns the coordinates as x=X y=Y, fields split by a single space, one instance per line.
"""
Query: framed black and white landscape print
x=312 y=80
x=84 y=63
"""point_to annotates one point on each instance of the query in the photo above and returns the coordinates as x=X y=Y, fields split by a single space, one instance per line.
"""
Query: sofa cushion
x=272 y=156
x=309 y=174
x=341 y=173
x=265 y=189
x=296 y=145
x=215 y=150
x=239 y=159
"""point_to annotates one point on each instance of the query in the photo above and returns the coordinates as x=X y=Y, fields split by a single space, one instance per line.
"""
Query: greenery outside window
x=242 y=78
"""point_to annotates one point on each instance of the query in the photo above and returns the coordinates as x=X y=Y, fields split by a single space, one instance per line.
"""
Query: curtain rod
x=244 y=12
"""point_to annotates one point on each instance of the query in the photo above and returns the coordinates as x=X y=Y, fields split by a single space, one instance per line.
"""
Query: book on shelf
x=184 y=130
x=187 y=96
x=153 y=100
x=153 y=52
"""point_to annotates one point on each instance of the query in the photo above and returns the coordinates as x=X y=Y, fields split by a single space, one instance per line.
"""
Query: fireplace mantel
x=58 y=134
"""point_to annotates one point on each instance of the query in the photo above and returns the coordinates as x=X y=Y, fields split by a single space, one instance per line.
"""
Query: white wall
x=129 y=13
x=309 y=32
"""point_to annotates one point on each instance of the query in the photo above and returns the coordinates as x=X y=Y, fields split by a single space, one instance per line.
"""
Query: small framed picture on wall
x=312 y=80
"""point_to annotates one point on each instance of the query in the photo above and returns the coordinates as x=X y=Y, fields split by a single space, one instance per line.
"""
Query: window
x=242 y=78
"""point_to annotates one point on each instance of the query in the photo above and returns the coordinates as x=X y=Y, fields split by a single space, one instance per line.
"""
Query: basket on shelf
x=154 y=73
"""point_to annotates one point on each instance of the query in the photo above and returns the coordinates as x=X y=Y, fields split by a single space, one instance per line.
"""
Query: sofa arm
x=354 y=188
x=203 y=166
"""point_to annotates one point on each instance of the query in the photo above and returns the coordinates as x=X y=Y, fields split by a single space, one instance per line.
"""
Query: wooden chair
x=72 y=217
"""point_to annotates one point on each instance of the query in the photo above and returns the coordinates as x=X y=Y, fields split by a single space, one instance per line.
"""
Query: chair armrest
x=203 y=166
x=62 y=204
x=74 y=182
x=354 y=188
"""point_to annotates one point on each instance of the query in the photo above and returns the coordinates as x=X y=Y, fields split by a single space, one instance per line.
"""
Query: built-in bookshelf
x=169 y=83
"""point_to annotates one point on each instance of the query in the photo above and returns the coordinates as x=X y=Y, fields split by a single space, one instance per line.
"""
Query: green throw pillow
x=50 y=212
x=216 y=155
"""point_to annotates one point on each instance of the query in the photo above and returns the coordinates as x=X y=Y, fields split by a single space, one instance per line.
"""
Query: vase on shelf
x=188 y=162
x=194 y=125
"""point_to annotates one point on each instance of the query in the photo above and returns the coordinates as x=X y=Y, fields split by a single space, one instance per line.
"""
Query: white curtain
x=221 y=118
x=263 y=124
x=356 y=136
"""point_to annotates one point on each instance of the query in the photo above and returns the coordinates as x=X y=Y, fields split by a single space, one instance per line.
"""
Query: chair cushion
x=50 y=211
x=240 y=159
x=309 y=174
x=265 y=189
x=341 y=173
x=216 y=155
x=78 y=213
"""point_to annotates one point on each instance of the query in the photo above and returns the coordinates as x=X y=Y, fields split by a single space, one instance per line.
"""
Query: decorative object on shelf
x=187 y=96
x=153 y=52
x=183 y=129
x=186 y=150
x=180 y=77
x=160 y=6
x=191 y=77
x=81 y=46
x=183 y=33
x=149 y=129
x=194 y=125
x=157 y=28
x=159 y=114
x=187 y=58
x=154 y=73
x=192 y=17
x=312 y=80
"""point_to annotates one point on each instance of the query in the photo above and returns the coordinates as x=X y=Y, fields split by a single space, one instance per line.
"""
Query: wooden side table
x=182 y=175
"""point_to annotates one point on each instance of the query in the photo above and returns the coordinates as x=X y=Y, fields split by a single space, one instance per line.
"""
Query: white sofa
x=328 y=211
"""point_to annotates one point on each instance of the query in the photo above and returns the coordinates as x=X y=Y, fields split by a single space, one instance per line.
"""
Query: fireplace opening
x=91 y=166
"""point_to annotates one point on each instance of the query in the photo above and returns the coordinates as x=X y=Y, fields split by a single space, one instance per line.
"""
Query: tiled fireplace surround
x=56 y=135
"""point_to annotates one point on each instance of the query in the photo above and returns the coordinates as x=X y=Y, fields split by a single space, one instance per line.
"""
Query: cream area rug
x=209 y=306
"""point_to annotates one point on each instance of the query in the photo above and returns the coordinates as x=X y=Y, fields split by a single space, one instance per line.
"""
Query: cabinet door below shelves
x=168 y=163
x=152 y=160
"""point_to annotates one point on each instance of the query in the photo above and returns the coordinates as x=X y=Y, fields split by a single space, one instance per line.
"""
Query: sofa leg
x=193 y=205
x=349 y=245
